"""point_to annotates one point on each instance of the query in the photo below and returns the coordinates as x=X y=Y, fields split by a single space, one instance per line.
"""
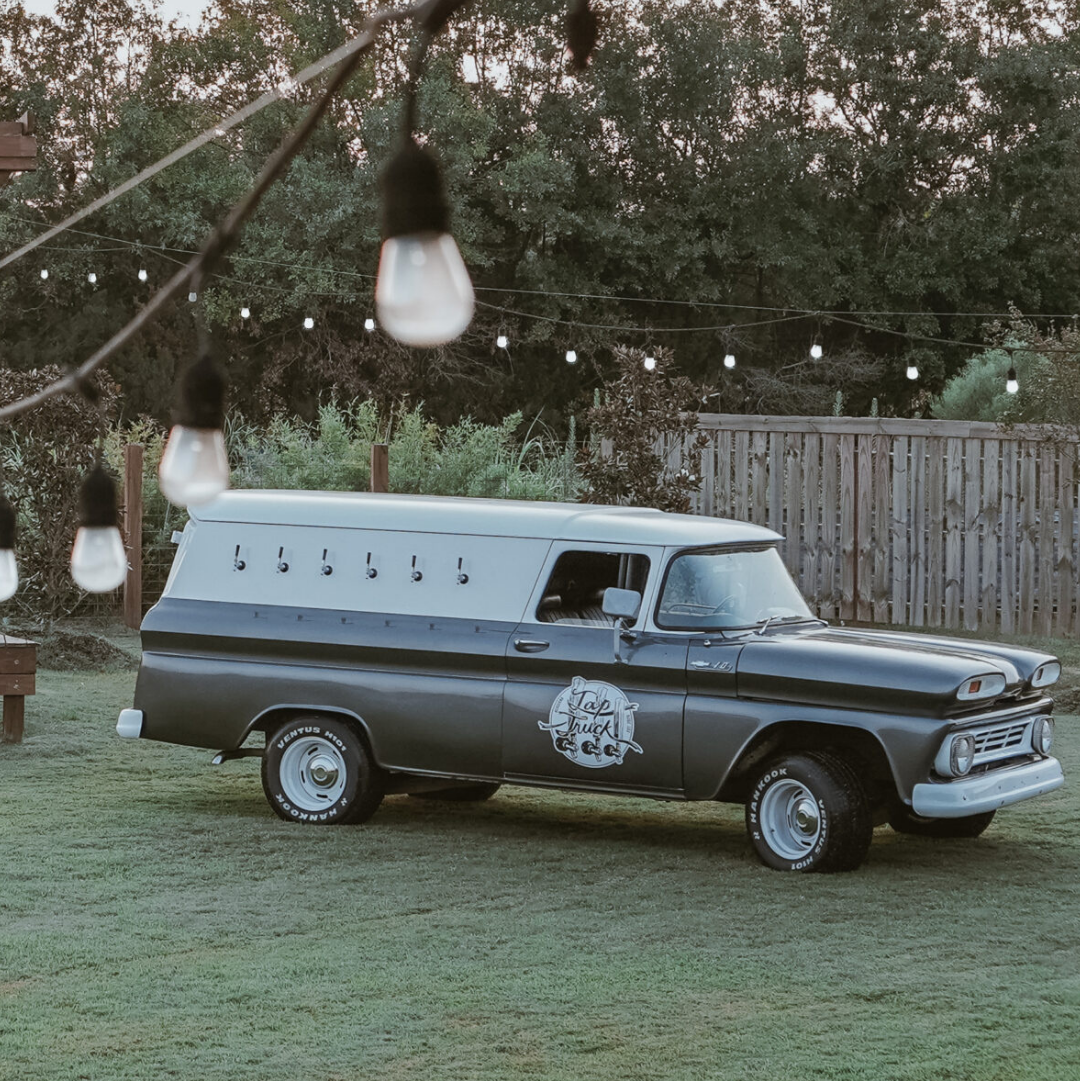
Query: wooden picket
x=927 y=523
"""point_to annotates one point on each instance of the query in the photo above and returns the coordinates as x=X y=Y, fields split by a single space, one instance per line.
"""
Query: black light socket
x=7 y=523
x=202 y=395
x=1011 y=377
x=413 y=198
x=97 y=500
x=582 y=28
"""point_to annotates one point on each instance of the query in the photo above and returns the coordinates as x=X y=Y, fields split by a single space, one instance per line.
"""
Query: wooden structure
x=918 y=522
x=18 y=147
x=133 y=523
x=18 y=663
x=380 y=467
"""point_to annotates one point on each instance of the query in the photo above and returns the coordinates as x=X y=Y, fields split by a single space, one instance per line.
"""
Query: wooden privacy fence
x=926 y=523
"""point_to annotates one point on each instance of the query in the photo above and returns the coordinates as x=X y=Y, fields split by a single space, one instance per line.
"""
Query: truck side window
x=574 y=593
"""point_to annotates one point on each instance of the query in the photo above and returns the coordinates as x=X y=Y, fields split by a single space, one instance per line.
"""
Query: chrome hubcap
x=790 y=819
x=312 y=773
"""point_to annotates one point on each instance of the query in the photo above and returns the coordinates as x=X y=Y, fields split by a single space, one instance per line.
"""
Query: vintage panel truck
x=369 y=644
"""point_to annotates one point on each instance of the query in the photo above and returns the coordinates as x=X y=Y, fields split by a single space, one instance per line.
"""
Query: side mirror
x=621 y=605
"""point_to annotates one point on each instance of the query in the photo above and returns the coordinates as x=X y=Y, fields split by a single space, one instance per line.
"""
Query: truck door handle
x=530 y=645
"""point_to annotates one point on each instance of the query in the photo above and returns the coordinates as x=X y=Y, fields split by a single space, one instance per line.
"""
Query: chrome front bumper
x=987 y=791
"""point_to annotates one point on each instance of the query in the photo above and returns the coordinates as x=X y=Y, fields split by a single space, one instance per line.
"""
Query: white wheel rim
x=790 y=819
x=312 y=773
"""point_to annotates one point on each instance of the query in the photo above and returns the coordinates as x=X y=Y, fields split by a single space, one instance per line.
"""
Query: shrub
x=45 y=454
x=643 y=447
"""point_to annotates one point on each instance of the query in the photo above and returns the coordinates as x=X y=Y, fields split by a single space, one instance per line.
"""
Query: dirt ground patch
x=65 y=650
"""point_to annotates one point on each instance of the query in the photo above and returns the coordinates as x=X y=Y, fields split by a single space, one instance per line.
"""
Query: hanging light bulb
x=912 y=371
x=729 y=361
x=44 y=275
x=502 y=341
x=650 y=363
x=143 y=275
x=245 y=313
x=309 y=323
x=423 y=295
x=92 y=278
x=98 y=560
x=369 y=324
x=192 y=297
x=571 y=356
x=9 y=569
x=1011 y=385
x=815 y=351
x=195 y=465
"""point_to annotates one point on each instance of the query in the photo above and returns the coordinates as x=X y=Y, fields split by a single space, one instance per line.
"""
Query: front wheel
x=808 y=812
x=904 y=820
x=316 y=770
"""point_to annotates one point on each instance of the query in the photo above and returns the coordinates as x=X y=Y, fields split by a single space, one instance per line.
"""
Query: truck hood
x=878 y=670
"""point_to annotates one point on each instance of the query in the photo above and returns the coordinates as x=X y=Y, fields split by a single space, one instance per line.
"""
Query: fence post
x=133 y=522
x=380 y=467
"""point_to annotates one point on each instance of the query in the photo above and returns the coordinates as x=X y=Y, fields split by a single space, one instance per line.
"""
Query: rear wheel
x=465 y=793
x=904 y=820
x=317 y=771
x=808 y=812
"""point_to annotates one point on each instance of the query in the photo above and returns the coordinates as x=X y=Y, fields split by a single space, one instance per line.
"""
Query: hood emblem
x=592 y=724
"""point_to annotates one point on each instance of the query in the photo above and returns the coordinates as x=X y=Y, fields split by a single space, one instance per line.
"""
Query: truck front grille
x=1002 y=741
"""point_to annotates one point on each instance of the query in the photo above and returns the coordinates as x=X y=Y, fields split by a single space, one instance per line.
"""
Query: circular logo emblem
x=592 y=724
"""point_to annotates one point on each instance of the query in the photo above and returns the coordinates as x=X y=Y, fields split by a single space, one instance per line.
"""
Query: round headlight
x=1042 y=735
x=961 y=755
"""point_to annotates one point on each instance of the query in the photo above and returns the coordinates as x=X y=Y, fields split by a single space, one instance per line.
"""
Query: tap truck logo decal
x=592 y=723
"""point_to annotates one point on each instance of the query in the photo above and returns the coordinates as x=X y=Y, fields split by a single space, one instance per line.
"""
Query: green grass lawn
x=157 y=921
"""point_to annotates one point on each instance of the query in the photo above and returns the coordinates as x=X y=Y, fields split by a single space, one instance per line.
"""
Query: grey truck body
x=445 y=631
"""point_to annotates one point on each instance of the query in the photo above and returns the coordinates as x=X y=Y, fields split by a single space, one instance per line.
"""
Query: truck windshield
x=719 y=589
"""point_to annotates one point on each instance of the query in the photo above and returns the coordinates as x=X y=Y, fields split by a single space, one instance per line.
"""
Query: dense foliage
x=851 y=156
x=41 y=475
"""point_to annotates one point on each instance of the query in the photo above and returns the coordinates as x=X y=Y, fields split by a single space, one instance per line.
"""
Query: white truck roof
x=479 y=517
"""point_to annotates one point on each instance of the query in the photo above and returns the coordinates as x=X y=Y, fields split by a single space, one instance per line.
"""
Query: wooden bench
x=18 y=663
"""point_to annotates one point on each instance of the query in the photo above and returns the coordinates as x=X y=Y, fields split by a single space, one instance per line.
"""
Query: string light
x=1011 y=384
x=192 y=297
x=245 y=313
x=92 y=278
x=571 y=356
x=729 y=361
x=9 y=568
x=143 y=275
x=369 y=324
x=195 y=465
x=912 y=371
x=815 y=351
x=98 y=560
x=308 y=323
x=502 y=341
x=44 y=275
x=650 y=364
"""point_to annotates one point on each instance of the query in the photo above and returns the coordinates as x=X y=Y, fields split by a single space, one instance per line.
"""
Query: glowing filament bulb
x=729 y=361
x=912 y=372
x=1011 y=384
x=815 y=351
x=650 y=364
x=245 y=313
x=309 y=323
x=44 y=275
x=369 y=324
x=502 y=341
x=92 y=278
x=143 y=275
x=571 y=356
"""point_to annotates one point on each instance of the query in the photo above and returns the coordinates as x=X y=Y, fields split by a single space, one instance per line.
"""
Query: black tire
x=808 y=812
x=465 y=793
x=316 y=770
x=904 y=820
